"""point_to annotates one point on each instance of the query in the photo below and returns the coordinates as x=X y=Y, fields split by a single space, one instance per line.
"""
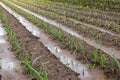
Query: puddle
x=2 y=31
x=7 y=64
x=108 y=50
x=9 y=68
x=63 y=55
x=2 y=41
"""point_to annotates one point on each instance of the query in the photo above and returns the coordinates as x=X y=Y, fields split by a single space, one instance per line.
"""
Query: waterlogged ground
x=61 y=64
x=10 y=68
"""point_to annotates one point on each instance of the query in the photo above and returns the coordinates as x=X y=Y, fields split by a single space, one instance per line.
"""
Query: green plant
x=44 y=72
x=83 y=47
x=11 y=34
x=72 y=42
x=32 y=70
x=113 y=62
x=76 y=47
x=102 y=61
x=95 y=55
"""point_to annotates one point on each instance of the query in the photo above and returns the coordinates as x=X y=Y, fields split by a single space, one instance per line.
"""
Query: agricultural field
x=60 y=40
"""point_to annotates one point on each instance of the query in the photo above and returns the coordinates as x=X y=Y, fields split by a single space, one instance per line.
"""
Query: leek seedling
x=83 y=47
x=95 y=54
x=72 y=43
x=102 y=61
x=76 y=48
x=113 y=62
x=32 y=70
x=27 y=57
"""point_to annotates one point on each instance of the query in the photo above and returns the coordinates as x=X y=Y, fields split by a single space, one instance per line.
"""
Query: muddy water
x=108 y=50
x=63 y=55
x=9 y=67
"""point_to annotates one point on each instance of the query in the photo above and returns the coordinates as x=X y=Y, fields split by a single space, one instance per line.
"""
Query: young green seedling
x=95 y=55
x=113 y=62
x=102 y=61
x=83 y=47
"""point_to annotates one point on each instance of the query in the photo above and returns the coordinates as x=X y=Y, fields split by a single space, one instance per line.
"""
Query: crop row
x=17 y=47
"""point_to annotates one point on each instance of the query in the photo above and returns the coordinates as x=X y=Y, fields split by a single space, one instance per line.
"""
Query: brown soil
x=56 y=70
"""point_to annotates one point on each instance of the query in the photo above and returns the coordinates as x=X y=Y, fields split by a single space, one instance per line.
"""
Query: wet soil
x=56 y=70
x=117 y=77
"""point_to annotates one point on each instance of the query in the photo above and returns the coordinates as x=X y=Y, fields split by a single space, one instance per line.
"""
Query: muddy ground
x=35 y=48
x=108 y=71
x=56 y=70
